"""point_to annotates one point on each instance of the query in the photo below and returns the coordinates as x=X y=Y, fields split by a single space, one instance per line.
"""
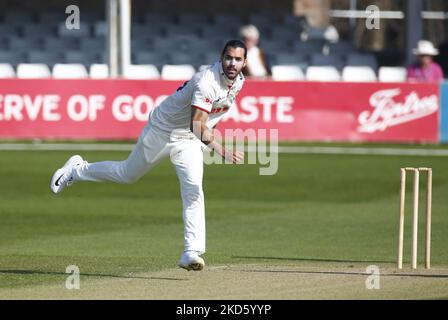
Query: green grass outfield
x=308 y=232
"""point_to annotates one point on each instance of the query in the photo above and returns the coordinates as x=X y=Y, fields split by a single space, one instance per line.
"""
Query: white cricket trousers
x=154 y=145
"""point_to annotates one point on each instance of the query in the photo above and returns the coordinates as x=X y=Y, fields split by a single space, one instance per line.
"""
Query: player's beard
x=231 y=72
x=232 y=77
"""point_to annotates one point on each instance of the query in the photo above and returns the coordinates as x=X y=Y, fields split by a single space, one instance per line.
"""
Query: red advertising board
x=306 y=111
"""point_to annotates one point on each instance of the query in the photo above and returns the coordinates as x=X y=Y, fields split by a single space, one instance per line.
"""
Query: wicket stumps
x=415 y=217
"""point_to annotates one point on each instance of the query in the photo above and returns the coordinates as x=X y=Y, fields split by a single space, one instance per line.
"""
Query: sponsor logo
x=388 y=112
x=57 y=181
x=218 y=110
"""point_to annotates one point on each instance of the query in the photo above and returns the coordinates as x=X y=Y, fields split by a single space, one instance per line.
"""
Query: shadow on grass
x=353 y=273
x=34 y=272
x=314 y=259
x=416 y=275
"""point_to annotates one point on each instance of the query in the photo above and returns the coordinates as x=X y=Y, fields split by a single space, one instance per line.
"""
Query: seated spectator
x=425 y=69
x=331 y=34
x=328 y=33
x=257 y=66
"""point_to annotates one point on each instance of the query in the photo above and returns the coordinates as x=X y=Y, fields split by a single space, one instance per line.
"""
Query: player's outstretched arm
x=199 y=128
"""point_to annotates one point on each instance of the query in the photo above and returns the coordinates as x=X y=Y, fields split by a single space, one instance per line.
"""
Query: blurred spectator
x=328 y=33
x=257 y=65
x=331 y=34
x=425 y=69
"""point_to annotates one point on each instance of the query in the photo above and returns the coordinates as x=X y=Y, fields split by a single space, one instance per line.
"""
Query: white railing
x=361 y=14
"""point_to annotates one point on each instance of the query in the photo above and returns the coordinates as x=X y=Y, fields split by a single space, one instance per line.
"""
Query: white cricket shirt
x=209 y=90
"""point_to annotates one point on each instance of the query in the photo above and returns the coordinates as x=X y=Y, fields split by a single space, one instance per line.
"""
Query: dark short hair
x=235 y=44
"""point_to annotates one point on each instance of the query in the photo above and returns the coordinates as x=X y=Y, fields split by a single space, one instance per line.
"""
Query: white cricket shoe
x=63 y=176
x=190 y=260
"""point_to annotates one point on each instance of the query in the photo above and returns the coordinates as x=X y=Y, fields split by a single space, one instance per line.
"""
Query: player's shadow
x=34 y=272
x=314 y=259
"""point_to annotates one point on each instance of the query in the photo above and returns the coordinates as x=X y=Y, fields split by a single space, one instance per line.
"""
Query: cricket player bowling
x=180 y=128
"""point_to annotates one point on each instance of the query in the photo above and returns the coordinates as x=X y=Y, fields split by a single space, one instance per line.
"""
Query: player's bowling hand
x=233 y=156
x=238 y=156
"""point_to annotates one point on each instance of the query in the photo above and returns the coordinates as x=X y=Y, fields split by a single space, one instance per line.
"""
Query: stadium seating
x=96 y=43
x=60 y=44
x=322 y=73
x=313 y=33
x=295 y=22
x=156 y=58
x=7 y=29
x=186 y=58
x=48 y=57
x=11 y=57
x=69 y=71
x=92 y=16
x=100 y=29
x=193 y=20
x=84 y=57
x=147 y=72
x=273 y=46
x=24 y=44
x=283 y=34
x=154 y=18
x=358 y=74
x=177 y=72
x=392 y=74
x=167 y=38
x=216 y=32
x=83 y=31
x=291 y=59
x=144 y=31
x=18 y=18
x=51 y=17
x=260 y=19
x=35 y=30
x=309 y=47
x=98 y=71
x=331 y=60
x=7 y=70
x=341 y=47
x=228 y=19
x=33 y=70
x=287 y=73
x=210 y=58
x=357 y=59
